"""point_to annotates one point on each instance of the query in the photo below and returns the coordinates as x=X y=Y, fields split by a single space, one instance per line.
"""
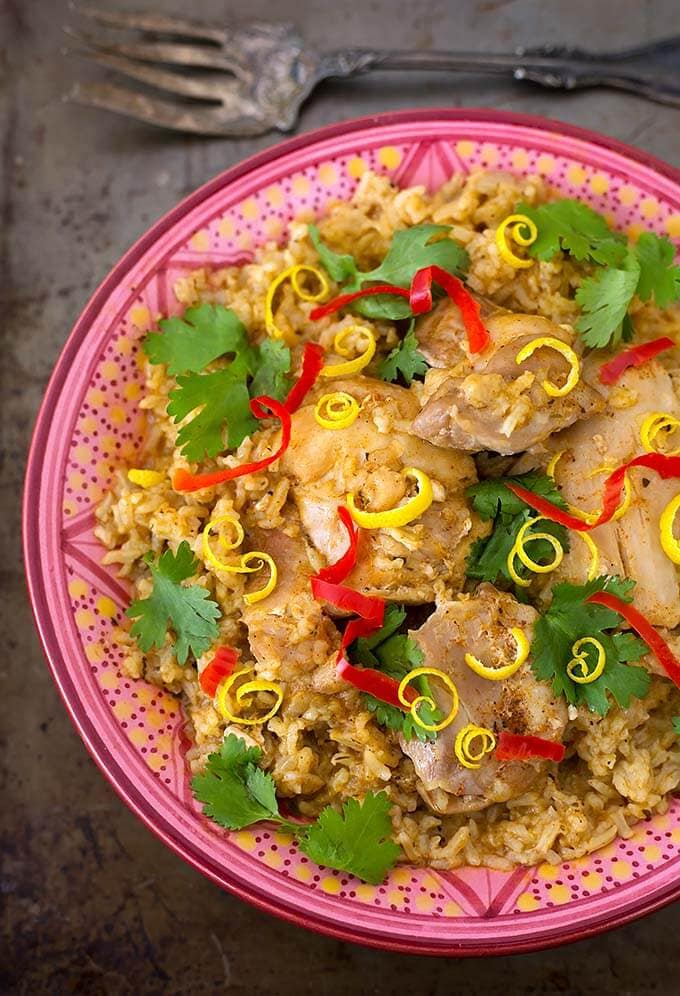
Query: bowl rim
x=109 y=766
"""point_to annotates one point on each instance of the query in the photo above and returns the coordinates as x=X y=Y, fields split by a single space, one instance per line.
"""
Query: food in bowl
x=402 y=532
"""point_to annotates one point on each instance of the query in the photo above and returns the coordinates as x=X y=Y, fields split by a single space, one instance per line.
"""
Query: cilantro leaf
x=573 y=227
x=236 y=792
x=221 y=395
x=676 y=724
x=405 y=359
x=411 y=250
x=570 y=618
x=356 y=840
x=200 y=336
x=604 y=300
x=493 y=500
x=659 y=277
x=339 y=267
x=396 y=654
x=189 y=610
x=273 y=366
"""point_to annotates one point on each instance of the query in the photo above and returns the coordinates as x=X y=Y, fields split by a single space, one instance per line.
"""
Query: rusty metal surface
x=91 y=901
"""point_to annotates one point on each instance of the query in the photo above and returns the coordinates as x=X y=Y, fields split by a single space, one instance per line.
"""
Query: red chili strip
x=370 y=609
x=421 y=301
x=312 y=362
x=513 y=747
x=220 y=667
x=645 y=631
x=634 y=357
x=183 y=480
x=665 y=466
x=344 y=299
x=375 y=683
x=342 y=568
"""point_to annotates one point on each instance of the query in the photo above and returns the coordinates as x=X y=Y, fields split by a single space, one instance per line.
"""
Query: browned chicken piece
x=630 y=547
x=487 y=401
x=480 y=624
x=367 y=459
x=288 y=631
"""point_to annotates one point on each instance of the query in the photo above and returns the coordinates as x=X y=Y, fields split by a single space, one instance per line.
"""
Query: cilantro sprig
x=646 y=269
x=493 y=501
x=187 y=609
x=221 y=397
x=570 y=618
x=236 y=792
x=411 y=249
x=395 y=654
x=405 y=359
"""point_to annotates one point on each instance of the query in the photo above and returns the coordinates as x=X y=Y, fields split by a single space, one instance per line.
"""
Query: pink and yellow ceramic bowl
x=89 y=422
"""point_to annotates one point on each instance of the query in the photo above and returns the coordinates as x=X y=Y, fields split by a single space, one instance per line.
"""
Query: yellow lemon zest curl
x=518 y=550
x=239 y=536
x=413 y=706
x=655 y=423
x=566 y=351
x=359 y=362
x=336 y=411
x=463 y=745
x=593 y=570
x=580 y=661
x=243 y=566
x=500 y=673
x=393 y=518
x=247 y=688
x=669 y=542
x=145 y=478
x=515 y=226
x=554 y=460
x=293 y=274
x=593 y=516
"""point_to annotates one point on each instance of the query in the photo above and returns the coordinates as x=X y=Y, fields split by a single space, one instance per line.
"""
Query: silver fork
x=249 y=79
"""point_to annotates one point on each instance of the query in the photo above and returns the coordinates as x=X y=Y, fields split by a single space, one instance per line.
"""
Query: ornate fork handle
x=652 y=70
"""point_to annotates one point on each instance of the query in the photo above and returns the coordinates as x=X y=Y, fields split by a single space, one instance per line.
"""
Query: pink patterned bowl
x=89 y=421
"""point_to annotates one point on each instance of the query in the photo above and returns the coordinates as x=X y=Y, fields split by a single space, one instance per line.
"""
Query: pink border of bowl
x=34 y=568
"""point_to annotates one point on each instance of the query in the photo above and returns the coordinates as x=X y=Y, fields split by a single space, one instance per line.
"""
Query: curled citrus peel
x=293 y=274
x=550 y=342
x=354 y=365
x=519 y=551
x=255 y=557
x=145 y=478
x=522 y=230
x=501 y=673
x=669 y=542
x=393 y=518
x=463 y=745
x=242 y=692
x=336 y=411
x=655 y=423
x=239 y=536
x=593 y=516
x=579 y=661
x=412 y=704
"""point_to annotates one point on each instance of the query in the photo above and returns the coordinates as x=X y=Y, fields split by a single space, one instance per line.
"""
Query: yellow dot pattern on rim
x=389 y=157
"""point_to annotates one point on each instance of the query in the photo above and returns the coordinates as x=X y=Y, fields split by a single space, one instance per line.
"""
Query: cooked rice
x=322 y=748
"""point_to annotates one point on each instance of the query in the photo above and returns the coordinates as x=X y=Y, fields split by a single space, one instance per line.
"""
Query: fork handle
x=651 y=70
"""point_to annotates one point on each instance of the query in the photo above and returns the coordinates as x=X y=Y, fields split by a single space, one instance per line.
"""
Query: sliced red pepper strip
x=421 y=301
x=370 y=609
x=514 y=747
x=344 y=299
x=664 y=466
x=220 y=667
x=645 y=631
x=183 y=480
x=312 y=362
x=342 y=568
x=375 y=683
x=634 y=357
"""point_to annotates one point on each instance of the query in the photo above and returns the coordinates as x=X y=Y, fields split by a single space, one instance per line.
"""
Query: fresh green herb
x=356 y=840
x=411 y=250
x=659 y=276
x=573 y=227
x=405 y=359
x=676 y=724
x=187 y=345
x=199 y=337
x=493 y=501
x=236 y=793
x=189 y=610
x=604 y=300
x=570 y=618
x=396 y=654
